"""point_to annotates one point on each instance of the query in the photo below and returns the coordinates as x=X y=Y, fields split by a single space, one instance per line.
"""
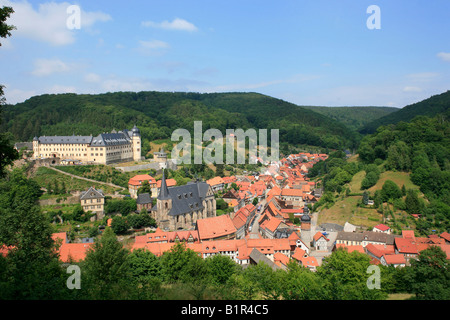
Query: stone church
x=180 y=207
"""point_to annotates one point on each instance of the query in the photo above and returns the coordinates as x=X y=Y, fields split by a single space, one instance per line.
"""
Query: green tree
x=31 y=269
x=106 y=269
x=119 y=225
x=430 y=275
x=7 y=153
x=182 y=264
x=413 y=205
x=299 y=283
x=220 y=269
x=145 y=188
x=345 y=277
x=390 y=190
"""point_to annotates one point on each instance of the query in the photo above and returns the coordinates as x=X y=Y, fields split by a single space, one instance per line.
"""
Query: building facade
x=106 y=148
x=180 y=207
x=93 y=200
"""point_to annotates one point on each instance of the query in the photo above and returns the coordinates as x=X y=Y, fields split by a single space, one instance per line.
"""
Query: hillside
x=354 y=118
x=404 y=168
x=158 y=114
x=429 y=107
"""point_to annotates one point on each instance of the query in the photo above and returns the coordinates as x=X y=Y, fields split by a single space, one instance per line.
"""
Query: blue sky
x=307 y=52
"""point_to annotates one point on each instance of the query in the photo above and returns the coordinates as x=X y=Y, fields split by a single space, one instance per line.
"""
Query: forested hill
x=429 y=107
x=354 y=118
x=157 y=114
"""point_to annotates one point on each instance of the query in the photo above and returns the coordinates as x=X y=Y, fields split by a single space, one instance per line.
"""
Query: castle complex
x=105 y=148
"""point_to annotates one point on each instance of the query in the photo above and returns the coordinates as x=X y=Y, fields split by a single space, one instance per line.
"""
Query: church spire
x=163 y=191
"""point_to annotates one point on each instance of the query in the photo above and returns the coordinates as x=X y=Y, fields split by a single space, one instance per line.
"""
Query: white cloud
x=154 y=44
x=423 y=76
x=46 y=67
x=444 y=56
x=412 y=89
x=48 y=22
x=92 y=77
x=176 y=24
x=152 y=47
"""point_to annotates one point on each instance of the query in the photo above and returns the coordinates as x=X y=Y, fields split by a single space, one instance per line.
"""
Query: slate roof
x=110 y=139
x=65 y=139
x=143 y=198
x=186 y=198
x=367 y=235
x=92 y=193
x=104 y=139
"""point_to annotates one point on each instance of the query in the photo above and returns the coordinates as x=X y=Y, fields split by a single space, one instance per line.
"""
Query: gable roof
x=92 y=193
x=215 y=227
x=382 y=227
x=137 y=180
x=143 y=198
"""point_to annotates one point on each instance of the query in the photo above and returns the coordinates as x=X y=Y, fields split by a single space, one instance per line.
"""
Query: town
x=269 y=214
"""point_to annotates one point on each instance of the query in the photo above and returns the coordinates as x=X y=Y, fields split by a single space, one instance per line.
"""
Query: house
x=293 y=197
x=395 y=260
x=281 y=260
x=350 y=249
x=136 y=182
x=69 y=252
x=377 y=251
x=216 y=183
x=446 y=236
x=406 y=247
x=320 y=242
x=93 y=200
x=382 y=228
x=144 y=201
x=269 y=227
x=364 y=238
x=310 y=262
x=216 y=228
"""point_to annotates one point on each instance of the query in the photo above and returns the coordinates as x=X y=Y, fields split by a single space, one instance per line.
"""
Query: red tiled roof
x=382 y=227
x=74 y=251
x=351 y=248
x=137 y=180
x=405 y=246
x=445 y=235
x=215 y=227
x=395 y=259
x=169 y=183
x=292 y=192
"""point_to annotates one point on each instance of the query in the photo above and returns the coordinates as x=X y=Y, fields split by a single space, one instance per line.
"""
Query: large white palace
x=105 y=148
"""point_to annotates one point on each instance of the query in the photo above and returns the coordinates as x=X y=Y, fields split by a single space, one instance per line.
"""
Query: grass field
x=44 y=176
x=346 y=210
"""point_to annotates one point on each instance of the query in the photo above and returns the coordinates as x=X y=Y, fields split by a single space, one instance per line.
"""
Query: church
x=106 y=148
x=180 y=207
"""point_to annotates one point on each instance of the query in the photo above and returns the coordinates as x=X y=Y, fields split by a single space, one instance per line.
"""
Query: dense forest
x=420 y=148
x=158 y=114
x=354 y=118
x=429 y=107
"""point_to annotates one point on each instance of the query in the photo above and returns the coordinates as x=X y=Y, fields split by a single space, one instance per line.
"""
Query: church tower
x=136 y=142
x=164 y=205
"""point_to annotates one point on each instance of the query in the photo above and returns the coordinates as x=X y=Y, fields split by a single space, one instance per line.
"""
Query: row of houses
x=387 y=249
